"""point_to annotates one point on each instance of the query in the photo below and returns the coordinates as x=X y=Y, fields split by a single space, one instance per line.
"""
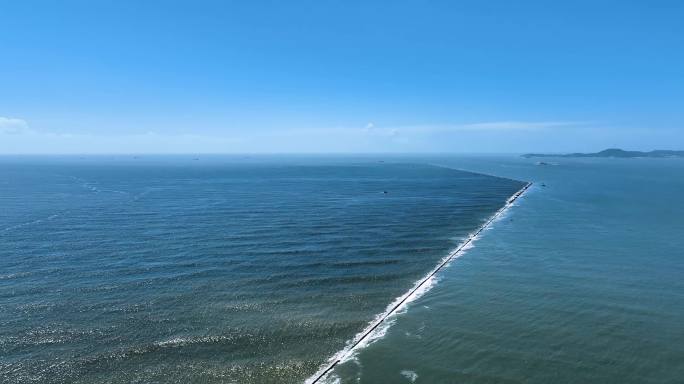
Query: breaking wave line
x=379 y=326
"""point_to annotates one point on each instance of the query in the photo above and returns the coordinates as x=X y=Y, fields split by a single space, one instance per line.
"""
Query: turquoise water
x=217 y=270
x=581 y=282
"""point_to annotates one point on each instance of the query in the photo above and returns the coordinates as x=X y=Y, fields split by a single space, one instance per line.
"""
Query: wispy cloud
x=520 y=125
x=373 y=129
x=19 y=137
x=376 y=134
x=491 y=126
x=13 y=126
x=419 y=129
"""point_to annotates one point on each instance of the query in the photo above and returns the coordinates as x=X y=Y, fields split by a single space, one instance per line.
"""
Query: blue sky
x=340 y=76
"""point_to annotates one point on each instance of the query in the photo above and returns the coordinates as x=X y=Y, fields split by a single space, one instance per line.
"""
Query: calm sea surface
x=581 y=282
x=257 y=270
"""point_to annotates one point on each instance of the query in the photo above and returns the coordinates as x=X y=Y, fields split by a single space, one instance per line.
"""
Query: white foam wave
x=29 y=223
x=412 y=376
x=179 y=341
x=379 y=326
x=14 y=275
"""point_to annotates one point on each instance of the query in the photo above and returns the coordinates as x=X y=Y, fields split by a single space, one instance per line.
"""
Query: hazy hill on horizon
x=614 y=152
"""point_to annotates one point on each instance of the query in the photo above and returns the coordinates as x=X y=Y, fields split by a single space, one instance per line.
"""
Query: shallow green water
x=581 y=282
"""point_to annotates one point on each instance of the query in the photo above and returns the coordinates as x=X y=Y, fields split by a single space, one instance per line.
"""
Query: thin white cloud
x=492 y=126
x=407 y=133
x=393 y=131
x=13 y=126
x=522 y=125
x=18 y=137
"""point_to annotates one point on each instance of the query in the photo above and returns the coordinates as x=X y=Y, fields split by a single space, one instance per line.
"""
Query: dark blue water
x=581 y=282
x=217 y=270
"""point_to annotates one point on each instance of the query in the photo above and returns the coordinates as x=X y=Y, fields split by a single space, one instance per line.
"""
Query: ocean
x=222 y=269
x=260 y=269
x=581 y=282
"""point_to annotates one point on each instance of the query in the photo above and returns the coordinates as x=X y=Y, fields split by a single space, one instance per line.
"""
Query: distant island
x=614 y=152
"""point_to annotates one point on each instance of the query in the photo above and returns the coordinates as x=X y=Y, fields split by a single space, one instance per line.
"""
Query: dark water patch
x=229 y=272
